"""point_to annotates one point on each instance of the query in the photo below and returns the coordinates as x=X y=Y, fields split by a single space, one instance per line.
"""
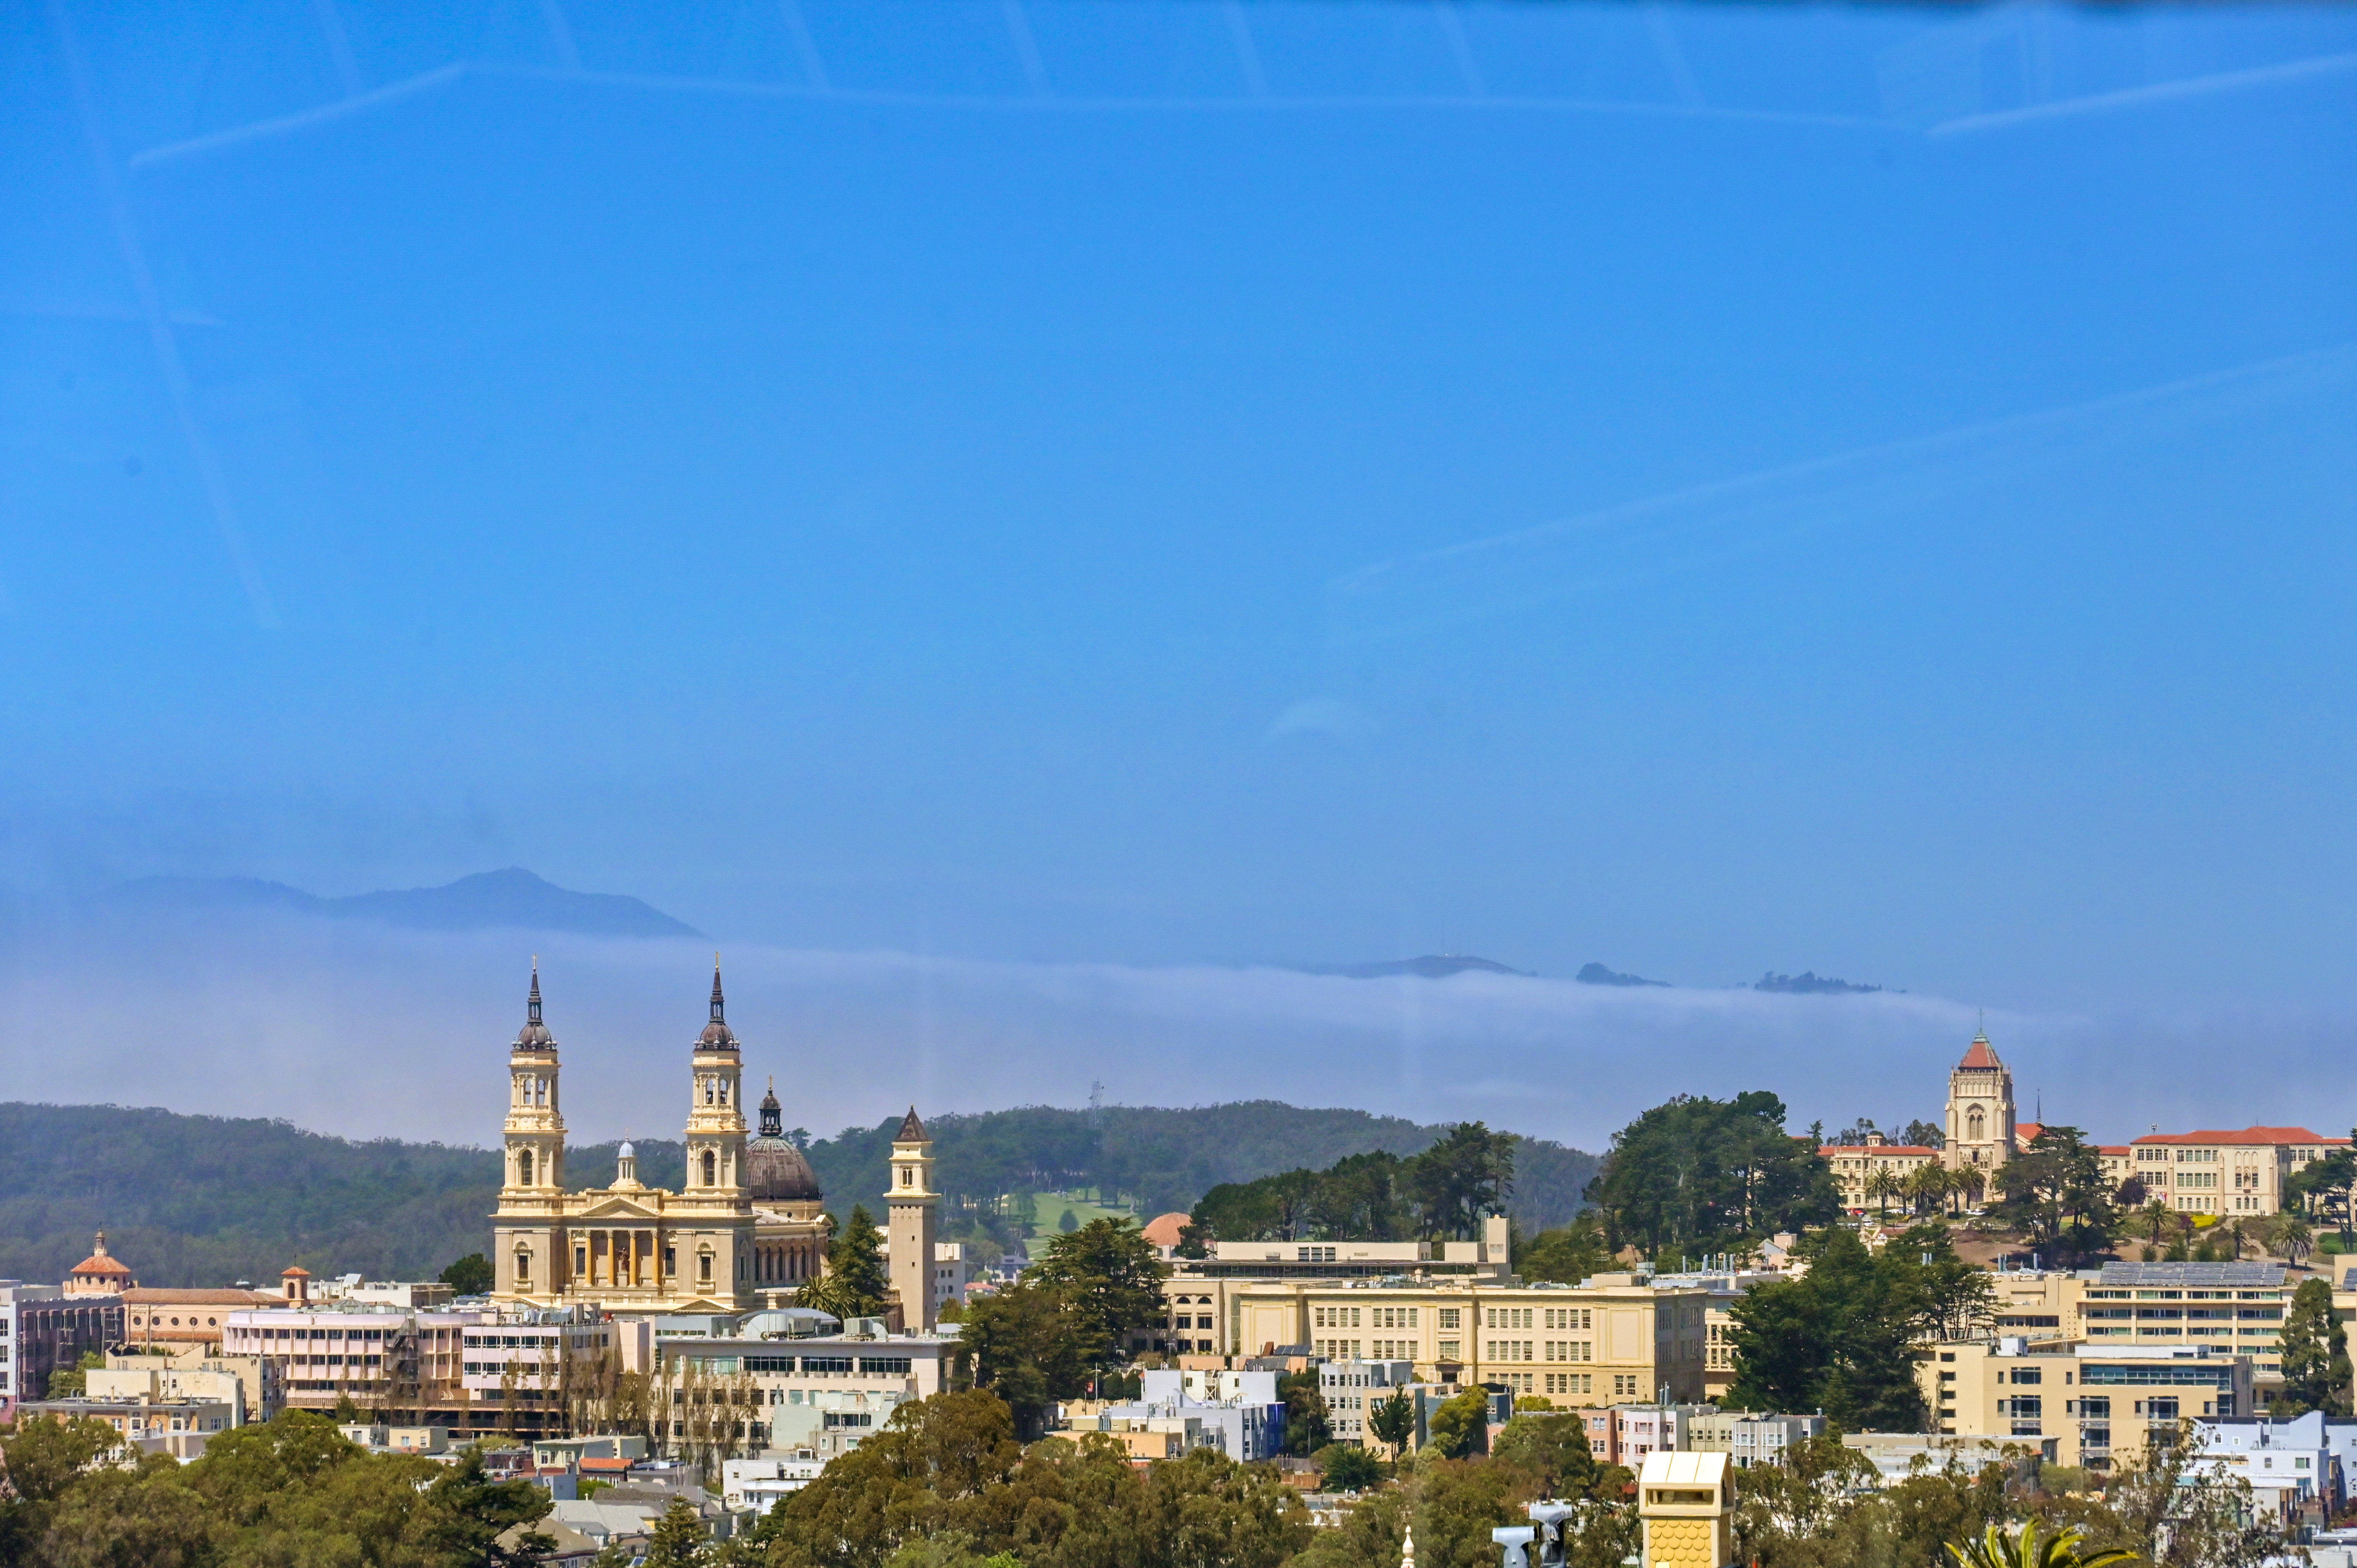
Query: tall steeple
x=716 y=1154
x=534 y=1136
x=716 y=1034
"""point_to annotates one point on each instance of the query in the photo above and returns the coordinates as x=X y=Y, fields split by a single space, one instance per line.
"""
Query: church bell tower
x=531 y=1194
x=1980 y=1111
x=915 y=1220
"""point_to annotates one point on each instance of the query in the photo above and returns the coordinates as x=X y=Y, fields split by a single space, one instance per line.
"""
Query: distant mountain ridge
x=513 y=896
x=1431 y=966
x=1810 y=983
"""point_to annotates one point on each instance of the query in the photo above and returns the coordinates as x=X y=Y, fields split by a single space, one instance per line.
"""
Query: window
x=884 y=1366
x=524 y=1168
x=711 y=1169
x=522 y=1269
x=704 y=1263
x=1448 y=1317
x=2027 y=1375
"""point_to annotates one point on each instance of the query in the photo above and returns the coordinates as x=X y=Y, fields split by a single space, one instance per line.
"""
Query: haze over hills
x=202 y=1200
x=484 y=901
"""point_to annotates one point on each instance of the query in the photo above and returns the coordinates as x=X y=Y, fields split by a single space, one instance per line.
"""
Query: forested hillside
x=205 y=1199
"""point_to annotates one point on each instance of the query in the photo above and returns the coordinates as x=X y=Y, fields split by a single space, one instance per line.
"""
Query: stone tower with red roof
x=1981 y=1128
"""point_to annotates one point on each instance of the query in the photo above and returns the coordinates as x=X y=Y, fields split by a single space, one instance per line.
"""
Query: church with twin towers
x=749 y=1225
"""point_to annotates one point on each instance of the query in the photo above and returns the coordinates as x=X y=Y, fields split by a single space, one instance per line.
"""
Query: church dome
x=775 y=1171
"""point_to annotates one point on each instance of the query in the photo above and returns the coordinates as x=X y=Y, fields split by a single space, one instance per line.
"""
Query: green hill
x=190 y=1200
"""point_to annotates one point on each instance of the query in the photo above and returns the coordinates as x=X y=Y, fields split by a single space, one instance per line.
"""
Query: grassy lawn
x=1051 y=1212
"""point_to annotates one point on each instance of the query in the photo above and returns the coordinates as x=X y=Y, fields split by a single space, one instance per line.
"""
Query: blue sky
x=1703 y=489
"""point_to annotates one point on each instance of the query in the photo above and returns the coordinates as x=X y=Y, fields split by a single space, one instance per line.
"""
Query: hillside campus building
x=2229 y=1174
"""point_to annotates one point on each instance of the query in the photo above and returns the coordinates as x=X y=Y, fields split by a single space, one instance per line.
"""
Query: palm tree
x=2287 y=1233
x=2157 y=1214
x=1971 y=1184
x=1927 y=1188
x=1883 y=1185
x=2026 y=1549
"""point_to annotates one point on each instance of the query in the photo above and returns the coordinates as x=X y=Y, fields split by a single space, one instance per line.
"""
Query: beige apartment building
x=2234 y=1176
x=1615 y=1338
x=2080 y=1404
x=1855 y=1166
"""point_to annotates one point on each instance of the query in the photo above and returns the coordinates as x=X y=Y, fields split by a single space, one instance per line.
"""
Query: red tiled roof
x=1831 y=1149
x=2122 y=1150
x=2247 y=1136
x=2024 y=1132
x=100 y=1263
x=156 y=1296
x=1980 y=1057
x=605 y=1463
x=297 y=1272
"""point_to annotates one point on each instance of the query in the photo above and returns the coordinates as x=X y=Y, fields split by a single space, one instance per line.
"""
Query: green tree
x=1696 y=1175
x=1551 y=1450
x=1347 y=1467
x=69 y=1382
x=1068 y=1221
x=470 y=1275
x=140 y=1518
x=679 y=1539
x=1307 y=1429
x=1457 y=1180
x=1023 y=1345
x=2056 y=1196
x=855 y=1282
x=1109 y=1277
x=2315 y=1354
x=475 y=1512
x=1566 y=1254
x=1460 y=1427
x=1392 y=1421
x=1840 y=1339
x=42 y=1460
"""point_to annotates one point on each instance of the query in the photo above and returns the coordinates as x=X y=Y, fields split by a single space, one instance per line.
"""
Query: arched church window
x=523 y=1267
x=711 y=1167
x=524 y=1168
x=1975 y=1125
x=707 y=1091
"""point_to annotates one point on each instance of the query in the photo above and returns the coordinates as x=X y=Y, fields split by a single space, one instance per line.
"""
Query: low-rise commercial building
x=2081 y=1404
x=1610 y=1339
x=175 y=1426
x=380 y=1357
x=2296 y=1466
x=42 y=1329
x=798 y=1395
x=1247 y=1425
x=1351 y=1389
x=124 y=1379
x=1751 y=1438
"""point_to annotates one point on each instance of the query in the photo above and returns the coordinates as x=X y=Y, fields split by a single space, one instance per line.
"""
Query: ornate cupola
x=716 y=1114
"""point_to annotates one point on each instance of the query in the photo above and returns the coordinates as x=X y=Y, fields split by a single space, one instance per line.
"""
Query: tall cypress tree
x=2315 y=1354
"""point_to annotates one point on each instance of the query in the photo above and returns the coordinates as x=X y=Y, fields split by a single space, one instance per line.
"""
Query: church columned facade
x=747 y=1222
